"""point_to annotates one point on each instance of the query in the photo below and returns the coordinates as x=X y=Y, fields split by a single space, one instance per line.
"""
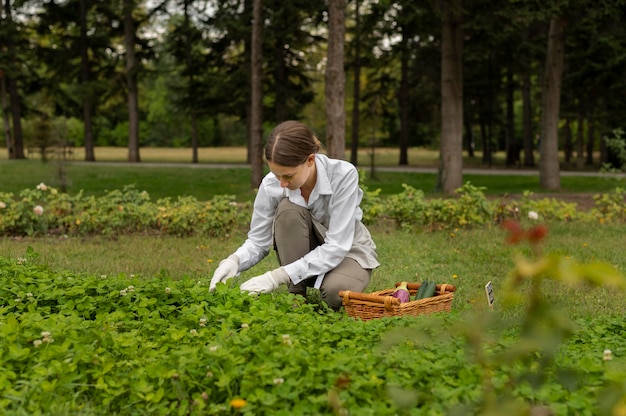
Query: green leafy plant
x=610 y=206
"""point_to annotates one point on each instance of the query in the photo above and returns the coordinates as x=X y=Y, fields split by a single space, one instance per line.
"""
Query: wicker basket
x=381 y=304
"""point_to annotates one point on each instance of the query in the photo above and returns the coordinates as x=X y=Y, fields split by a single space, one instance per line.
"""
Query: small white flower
x=38 y=210
x=29 y=295
x=193 y=332
x=18 y=300
x=21 y=260
x=103 y=276
x=213 y=348
x=244 y=326
x=37 y=342
x=533 y=215
x=2 y=205
x=45 y=334
x=42 y=187
x=168 y=290
x=279 y=380
x=202 y=322
x=209 y=374
x=608 y=355
x=130 y=289
x=123 y=292
x=286 y=339
x=48 y=339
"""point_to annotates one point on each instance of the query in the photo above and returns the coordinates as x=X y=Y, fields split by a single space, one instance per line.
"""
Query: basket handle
x=389 y=301
x=442 y=289
x=439 y=288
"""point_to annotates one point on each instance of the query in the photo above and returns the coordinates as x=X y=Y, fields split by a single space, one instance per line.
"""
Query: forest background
x=459 y=76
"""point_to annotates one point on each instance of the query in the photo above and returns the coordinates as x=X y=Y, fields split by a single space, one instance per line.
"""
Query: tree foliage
x=177 y=73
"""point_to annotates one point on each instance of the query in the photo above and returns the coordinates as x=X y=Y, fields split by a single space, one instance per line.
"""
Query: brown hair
x=290 y=144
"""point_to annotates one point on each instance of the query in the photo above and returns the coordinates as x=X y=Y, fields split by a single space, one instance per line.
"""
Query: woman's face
x=293 y=177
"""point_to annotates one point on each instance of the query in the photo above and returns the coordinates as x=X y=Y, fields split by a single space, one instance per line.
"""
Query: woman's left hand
x=266 y=283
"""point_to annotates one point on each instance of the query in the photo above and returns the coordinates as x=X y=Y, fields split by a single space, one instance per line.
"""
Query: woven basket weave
x=381 y=304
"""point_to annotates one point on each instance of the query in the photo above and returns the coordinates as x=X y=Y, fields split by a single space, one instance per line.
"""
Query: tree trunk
x=194 y=136
x=469 y=137
x=132 y=66
x=247 y=61
x=483 y=136
x=568 y=143
x=335 y=81
x=16 y=113
x=549 y=173
x=488 y=148
x=85 y=79
x=5 y=116
x=580 y=141
x=190 y=80
x=403 y=98
x=604 y=151
x=590 y=141
x=354 y=145
x=17 y=141
x=512 y=150
x=527 y=127
x=590 y=105
x=451 y=145
x=256 y=95
x=529 y=145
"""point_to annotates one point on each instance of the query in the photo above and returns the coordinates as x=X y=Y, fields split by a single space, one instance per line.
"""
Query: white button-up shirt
x=334 y=206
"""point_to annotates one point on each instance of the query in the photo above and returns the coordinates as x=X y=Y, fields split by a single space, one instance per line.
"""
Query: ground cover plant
x=130 y=344
x=120 y=321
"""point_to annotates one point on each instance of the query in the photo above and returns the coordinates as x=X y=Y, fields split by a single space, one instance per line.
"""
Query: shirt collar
x=323 y=183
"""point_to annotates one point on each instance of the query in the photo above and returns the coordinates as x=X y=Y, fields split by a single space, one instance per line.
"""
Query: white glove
x=267 y=282
x=227 y=269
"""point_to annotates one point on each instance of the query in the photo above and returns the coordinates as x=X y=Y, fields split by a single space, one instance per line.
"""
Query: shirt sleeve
x=343 y=209
x=260 y=237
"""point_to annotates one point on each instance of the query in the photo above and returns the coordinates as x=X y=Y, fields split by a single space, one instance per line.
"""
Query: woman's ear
x=310 y=160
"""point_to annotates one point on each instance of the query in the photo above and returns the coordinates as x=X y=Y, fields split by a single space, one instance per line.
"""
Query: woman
x=307 y=208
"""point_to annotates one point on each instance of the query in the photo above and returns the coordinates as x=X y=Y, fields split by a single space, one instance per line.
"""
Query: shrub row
x=45 y=210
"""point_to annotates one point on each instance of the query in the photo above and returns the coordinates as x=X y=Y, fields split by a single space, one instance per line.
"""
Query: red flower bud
x=536 y=234
x=516 y=234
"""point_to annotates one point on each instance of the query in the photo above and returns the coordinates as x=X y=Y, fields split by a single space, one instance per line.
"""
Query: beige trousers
x=295 y=236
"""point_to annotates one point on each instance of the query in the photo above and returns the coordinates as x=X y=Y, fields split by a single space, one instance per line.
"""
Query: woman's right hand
x=226 y=269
